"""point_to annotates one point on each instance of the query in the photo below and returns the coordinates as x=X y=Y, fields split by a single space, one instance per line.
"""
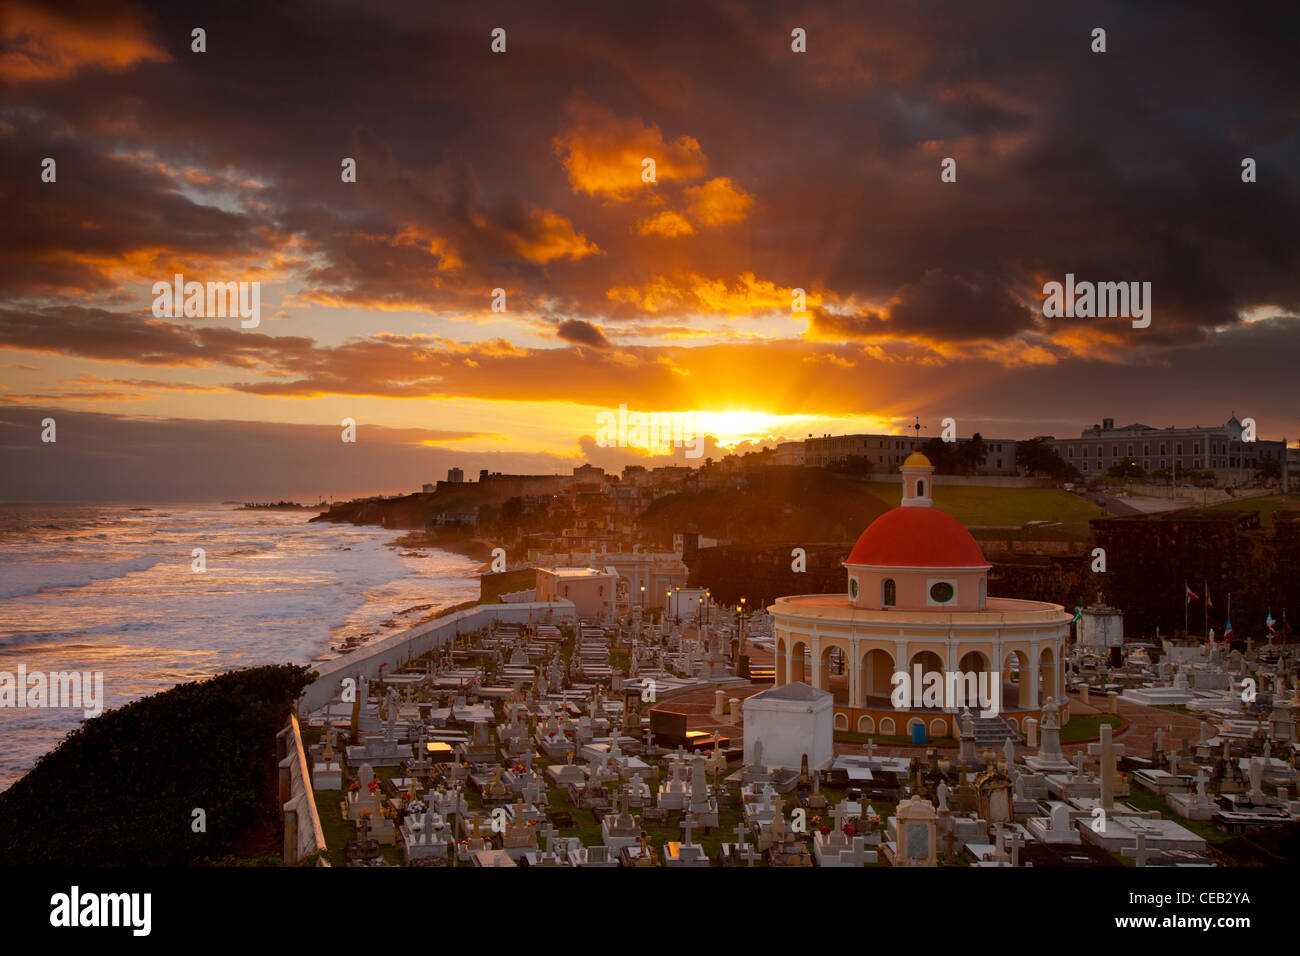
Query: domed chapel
x=916 y=602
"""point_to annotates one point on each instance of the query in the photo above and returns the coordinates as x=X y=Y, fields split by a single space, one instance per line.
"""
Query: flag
x=1078 y=613
x=1209 y=605
x=1190 y=596
x=1227 y=629
x=1270 y=622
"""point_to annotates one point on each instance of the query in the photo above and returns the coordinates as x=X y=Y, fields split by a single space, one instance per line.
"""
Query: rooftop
x=997 y=611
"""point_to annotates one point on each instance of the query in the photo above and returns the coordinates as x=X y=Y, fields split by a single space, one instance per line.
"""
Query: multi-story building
x=886 y=453
x=1218 y=448
x=789 y=453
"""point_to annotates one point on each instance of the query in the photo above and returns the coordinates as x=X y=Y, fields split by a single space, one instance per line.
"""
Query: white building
x=784 y=723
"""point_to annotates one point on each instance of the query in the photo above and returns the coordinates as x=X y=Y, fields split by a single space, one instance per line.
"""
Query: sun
x=733 y=426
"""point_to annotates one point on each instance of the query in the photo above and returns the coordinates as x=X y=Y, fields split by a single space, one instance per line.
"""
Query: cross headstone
x=550 y=835
x=1016 y=843
x=1108 y=751
x=1201 y=780
x=840 y=813
x=689 y=822
x=1140 y=852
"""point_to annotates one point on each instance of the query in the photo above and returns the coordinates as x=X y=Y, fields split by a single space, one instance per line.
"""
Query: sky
x=518 y=179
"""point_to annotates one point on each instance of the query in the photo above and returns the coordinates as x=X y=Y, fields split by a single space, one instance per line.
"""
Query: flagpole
x=1207 y=608
x=1186 y=602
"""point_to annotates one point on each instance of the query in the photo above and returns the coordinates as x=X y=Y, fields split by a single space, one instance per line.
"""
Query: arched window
x=889 y=593
x=853 y=588
x=920 y=489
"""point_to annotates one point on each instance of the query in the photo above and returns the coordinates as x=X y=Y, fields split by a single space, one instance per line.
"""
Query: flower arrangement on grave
x=850 y=830
x=388 y=813
x=366 y=814
x=355 y=788
x=373 y=786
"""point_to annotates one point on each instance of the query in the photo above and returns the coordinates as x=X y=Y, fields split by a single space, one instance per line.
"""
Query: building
x=455 y=475
x=686 y=604
x=789 y=453
x=886 y=453
x=591 y=591
x=1218 y=448
x=916 y=604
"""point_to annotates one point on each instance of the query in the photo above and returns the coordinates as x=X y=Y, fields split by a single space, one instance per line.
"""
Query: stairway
x=994 y=731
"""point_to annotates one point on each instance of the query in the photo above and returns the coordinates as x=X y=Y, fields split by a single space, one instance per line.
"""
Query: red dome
x=917 y=538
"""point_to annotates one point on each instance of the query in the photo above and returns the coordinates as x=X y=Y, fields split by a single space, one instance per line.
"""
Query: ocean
x=112 y=589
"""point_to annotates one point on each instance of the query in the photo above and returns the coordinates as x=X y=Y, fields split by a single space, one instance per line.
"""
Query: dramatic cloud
x=775 y=172
x=578 y=332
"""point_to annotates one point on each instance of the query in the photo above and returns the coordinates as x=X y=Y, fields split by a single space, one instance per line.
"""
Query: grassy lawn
x=1265 y=506
x=986 y=505
x=1173 y=708
x=1088 y=726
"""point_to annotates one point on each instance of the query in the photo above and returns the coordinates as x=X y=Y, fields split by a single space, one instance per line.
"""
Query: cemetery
x=644 y=740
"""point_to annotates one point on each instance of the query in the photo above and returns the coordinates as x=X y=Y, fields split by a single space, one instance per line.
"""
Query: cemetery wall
x=303 y=835
x=396 y=649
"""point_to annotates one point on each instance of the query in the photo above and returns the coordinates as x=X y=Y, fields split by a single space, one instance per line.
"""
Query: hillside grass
x=975 y=505
x=1265 y=506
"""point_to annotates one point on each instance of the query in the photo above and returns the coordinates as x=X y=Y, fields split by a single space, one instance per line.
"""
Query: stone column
x=817 y=677
x=1034 y=663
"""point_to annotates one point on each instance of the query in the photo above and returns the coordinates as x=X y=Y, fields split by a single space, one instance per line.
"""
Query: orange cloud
x=43 y=45
x=603 y=153
x=670 y=224
x=719 y=201
x=745 y=296
x=551 y=236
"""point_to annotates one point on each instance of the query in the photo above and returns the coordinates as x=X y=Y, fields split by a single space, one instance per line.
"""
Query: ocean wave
x=20 y=580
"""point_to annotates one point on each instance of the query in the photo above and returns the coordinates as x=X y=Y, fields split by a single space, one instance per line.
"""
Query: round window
x=941 y=593
x=853 y=588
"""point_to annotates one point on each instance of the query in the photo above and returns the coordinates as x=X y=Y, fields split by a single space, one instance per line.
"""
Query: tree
x=1036 y=456
x=943 y=455
x=973 y=454
x=1269 y=469
x=1129 y=470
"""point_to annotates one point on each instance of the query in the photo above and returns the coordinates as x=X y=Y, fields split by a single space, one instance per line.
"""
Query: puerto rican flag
x=1190 y=595
x=1227 y=629
x=1270 y=622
